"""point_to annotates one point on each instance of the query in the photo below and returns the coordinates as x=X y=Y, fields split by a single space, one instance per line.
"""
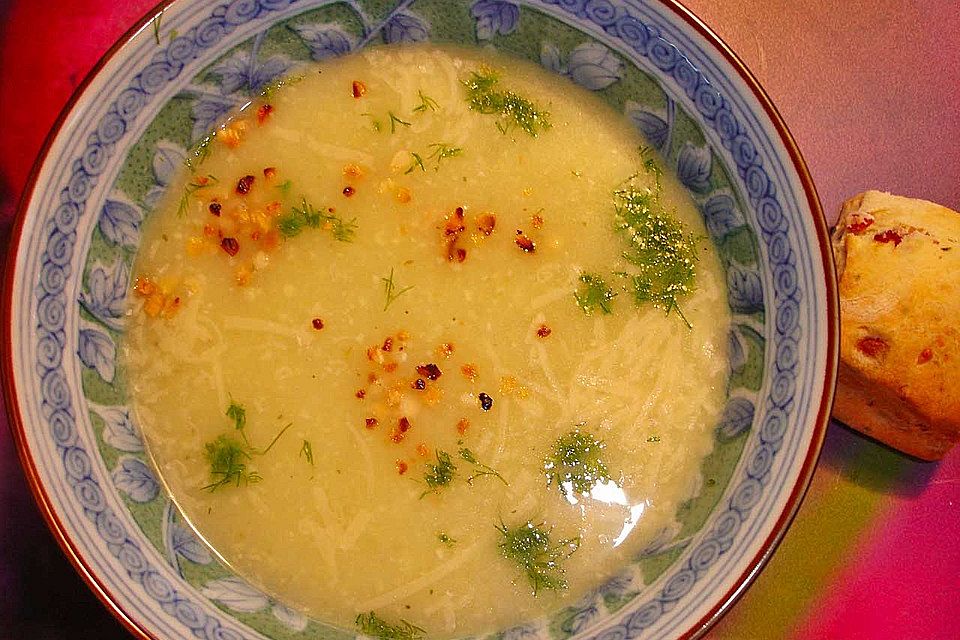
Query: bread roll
x=898 y=263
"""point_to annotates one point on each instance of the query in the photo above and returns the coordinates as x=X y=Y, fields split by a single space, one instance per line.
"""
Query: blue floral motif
x=520 y=632
x=617 y=585
x=745 y=292
x=495 y=16
x=591 y=65
x=288 y=617
x=405 y=26
x=97 y=350
x=134 y=477
x=665 y=540
x=594 y=66
x=210 y=111
x=236 y=594
x=550 y=58
x=737 y=352
x=694 y=166
x=120 y=222
x=244 y=72
x=105 y=293
x=168 y=158
x=240 y=76
x=185 y=543
x=654 y=128
x=737 y=418
x=325 y=40
x=721 y=216
x=576 y=619
x=618 y=591
x=118 y=429
x=181 y=542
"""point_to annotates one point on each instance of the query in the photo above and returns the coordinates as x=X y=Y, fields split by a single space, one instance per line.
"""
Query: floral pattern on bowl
x=171 y=84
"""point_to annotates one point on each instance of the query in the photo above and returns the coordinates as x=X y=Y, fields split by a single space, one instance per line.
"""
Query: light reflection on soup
x=385 y=277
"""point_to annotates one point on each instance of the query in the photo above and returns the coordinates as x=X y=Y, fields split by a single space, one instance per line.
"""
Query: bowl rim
x=826 y=395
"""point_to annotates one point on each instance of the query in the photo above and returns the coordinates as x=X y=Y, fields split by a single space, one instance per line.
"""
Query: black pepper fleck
x=486 y=402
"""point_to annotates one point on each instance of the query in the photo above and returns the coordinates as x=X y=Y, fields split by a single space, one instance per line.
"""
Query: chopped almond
x=144 y=286
x=470 y=372
x=432 y=396
x=154 y=305
x=445 y=350
x=243 y=275
x=486 y=223
x=232 y=134
x=352 y=171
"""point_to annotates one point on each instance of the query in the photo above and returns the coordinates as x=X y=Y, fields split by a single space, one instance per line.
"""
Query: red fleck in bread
x=898 y=263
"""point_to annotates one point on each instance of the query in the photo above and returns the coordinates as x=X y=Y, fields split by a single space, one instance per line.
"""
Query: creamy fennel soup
x=423 y=344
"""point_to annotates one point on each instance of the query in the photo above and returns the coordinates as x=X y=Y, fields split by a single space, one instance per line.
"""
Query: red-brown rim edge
x=715 y=613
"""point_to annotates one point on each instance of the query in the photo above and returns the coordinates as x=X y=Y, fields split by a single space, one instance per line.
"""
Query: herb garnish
x=440 y=474
x=307 y=451
x=440 y=151
x=446 y=539
x=426 y=102
x=662 y=255
x=529 y=546
x=156 y=24
x=238 y=414
x=593 y=293
x=292 y=223
x=511 y=109
x=416 y=162
x=483 y=470
x=228 y=456
x=575 y=465
x=372 y=625
x=377 y=126
x=390 y=290
x=202 y=182
x=228 y=462
x=662 y=252
x=394 y=121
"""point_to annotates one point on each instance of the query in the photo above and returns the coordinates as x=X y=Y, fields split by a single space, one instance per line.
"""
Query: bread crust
x=898 y=262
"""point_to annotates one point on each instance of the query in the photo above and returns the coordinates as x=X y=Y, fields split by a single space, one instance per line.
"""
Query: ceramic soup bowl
x=183 y=68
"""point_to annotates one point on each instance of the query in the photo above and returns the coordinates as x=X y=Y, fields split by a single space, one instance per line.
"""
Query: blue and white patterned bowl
x=169 y=81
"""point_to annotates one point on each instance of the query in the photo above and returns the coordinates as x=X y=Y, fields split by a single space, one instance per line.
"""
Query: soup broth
x=390 y=359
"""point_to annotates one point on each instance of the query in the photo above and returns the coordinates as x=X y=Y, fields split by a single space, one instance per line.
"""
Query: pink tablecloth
x=870 y=89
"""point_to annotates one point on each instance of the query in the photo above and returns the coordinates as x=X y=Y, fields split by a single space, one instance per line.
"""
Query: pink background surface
x=870 y=90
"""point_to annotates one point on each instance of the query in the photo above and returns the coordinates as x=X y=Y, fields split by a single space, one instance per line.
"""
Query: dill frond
x=511 y=109
x=593 y=294
x=575 y=465
x=373 y=626
x=529 y=546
